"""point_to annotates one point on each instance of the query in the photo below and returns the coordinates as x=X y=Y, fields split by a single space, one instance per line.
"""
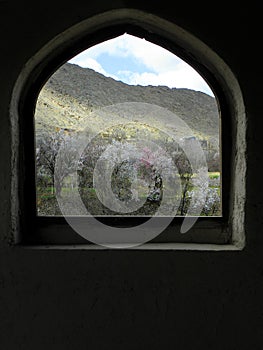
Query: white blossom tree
x=47 y=150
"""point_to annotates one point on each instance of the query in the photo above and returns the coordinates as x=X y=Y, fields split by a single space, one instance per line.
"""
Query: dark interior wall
x=77 y=299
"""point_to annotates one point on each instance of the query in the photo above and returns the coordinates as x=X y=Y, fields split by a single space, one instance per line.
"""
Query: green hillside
x=73 y=95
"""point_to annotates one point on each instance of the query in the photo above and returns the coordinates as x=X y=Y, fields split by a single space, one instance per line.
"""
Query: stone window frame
x=226 y=233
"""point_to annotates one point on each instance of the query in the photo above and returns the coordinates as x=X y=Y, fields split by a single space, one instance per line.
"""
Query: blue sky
x=137 y=61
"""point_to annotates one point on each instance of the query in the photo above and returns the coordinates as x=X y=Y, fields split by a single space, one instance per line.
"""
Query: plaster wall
x=99 y=299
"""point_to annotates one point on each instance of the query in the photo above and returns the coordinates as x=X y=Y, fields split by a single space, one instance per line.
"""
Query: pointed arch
x=159 y=31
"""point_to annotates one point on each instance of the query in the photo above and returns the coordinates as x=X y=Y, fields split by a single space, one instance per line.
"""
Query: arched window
x=125 y=159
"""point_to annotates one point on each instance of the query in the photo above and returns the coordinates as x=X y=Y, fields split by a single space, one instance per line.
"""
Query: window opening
x=151 y=131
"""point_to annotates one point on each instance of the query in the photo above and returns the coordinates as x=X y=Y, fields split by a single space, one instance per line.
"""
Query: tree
x=48 y=146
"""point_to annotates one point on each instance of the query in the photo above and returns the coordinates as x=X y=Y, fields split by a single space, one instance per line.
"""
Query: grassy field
x=47 y=203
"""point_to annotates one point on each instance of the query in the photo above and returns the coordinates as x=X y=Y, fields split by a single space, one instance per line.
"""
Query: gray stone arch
x=109 y=24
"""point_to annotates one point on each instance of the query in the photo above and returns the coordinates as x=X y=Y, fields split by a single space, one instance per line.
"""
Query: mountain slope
x=73 y=93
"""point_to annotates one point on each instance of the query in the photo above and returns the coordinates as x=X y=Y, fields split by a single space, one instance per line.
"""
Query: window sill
x=147 y=246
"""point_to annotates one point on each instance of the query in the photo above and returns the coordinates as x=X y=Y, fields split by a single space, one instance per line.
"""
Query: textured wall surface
x=63 y=299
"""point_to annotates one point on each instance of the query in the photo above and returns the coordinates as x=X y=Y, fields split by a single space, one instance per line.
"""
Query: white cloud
x=152 y=56
x=164 y=68
x=114 y=47
x=88 y=62
x=183 y=77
